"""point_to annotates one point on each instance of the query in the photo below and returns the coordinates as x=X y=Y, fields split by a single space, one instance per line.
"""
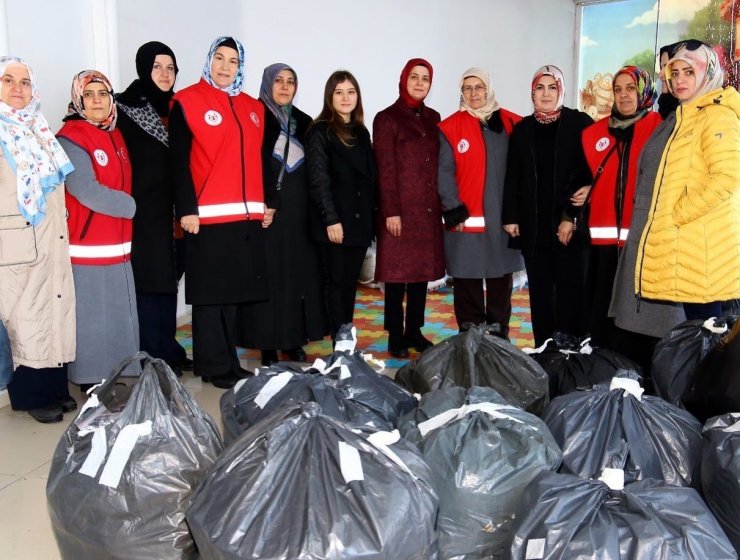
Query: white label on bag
x=239 y=385
x=629 y=386
x=734 y=428
x=539 y=349
x=344 y=372
x=710 y=326
x=121 y=452
x=535 y=549
x=95 y=458
x=382 y=441
x=492 y=409
x=613 y=478
x=350 y=463
x=272 y=388
x=91 y=402
x=344 y=345
x=586 y=346
x=319 y=365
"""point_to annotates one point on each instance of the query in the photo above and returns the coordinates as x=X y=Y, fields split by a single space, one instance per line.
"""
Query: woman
x=100 y=209
x=294 y=312
x=472 y=168
x=341 y=177
x=690 y=249
x=215 y=140
x=37 y=298
x=142 y=120
x=667 y=103
x=410 y=252
x=545 y=167
x=612 y=148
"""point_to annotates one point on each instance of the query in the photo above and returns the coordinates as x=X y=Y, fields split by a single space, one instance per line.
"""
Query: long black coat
x=521 y=187
x=343 y=185
x=152 y=246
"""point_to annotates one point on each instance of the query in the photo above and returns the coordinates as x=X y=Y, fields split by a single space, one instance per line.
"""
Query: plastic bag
x=477 y=358
x=720 y=472
x=125 y=468
x=563 y=517
x=483 y=452
x=680 y=351
x=300 y=484
x=645 y=436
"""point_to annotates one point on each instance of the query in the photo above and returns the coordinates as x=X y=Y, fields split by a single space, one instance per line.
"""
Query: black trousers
x=342 y=266
x=416 y=299
x=472 y=307
x=557 y=291
x=603 y=269
x=157 y=326
x=214 y=348
x=36 y=388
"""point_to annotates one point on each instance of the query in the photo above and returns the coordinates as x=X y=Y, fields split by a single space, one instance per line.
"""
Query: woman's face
x=283 y=88
x=224 y=66
x=15 y=88
x=163 y=72
x=664 y=58
x=625 y=95
x=474 y=92
x=546 y=94
x=419 y=82
x=683 y=80
x=96 y=101
x=344 y=99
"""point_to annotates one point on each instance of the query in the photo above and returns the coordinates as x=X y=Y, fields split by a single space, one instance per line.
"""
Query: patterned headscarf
x=403 y=83
x=34 y=154
x=283 y=115
x=77 y=107
x=555 y=72
x=646 y=96
x=236 y=86
x=491 y=105
x=705 y=64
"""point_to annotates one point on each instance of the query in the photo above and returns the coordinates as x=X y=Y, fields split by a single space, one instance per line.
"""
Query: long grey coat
x=478 y=255
x=655 y=318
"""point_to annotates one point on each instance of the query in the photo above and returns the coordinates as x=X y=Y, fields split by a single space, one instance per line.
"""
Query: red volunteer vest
x=463 y=131
x=597 y=144
x=95 y=238
x=225 y=159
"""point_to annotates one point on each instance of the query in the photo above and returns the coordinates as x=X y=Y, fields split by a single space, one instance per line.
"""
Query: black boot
x=398 y=346
x=296 y=354
x=47 y=414
x=417 y=341
x=269 y=357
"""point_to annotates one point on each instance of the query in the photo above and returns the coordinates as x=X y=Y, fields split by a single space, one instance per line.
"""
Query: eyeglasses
x=478 y=88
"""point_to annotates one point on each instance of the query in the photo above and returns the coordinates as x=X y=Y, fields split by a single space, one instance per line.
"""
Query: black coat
x=343 y=185
x=152 y=246
x=521 y=187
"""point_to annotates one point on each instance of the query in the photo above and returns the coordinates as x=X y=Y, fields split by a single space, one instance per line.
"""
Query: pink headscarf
x=546 y=117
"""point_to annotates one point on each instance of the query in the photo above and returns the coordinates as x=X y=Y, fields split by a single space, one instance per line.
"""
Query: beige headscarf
x=705 y=63
x=491 y=105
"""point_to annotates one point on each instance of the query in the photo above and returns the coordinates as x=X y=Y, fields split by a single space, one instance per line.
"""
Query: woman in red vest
x=612 y=147
x=472 y=166
x=215 y=141
x=100 y=208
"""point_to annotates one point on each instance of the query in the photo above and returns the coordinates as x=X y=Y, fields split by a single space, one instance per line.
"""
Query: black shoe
x=269 y=357
x=244 y=373
x=398 y=346
x=222 y=381
x=418 y=342
x=296 y=354
x=187 y=365
x=68 y=404
x=47 y=414
x=177 y=370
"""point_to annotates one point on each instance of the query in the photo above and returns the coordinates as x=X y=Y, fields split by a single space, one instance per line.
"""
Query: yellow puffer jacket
x=690 y=248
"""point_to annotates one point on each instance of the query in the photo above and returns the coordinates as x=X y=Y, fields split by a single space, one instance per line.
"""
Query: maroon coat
x=406 y=144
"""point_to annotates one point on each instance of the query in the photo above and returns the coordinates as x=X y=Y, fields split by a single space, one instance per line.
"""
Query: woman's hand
x=459 y=227
x=335 y=233
x=512 y=229
x=393 y=225
x=190 y=223
x=579 y=197
x=565 y=232
x=267 y=218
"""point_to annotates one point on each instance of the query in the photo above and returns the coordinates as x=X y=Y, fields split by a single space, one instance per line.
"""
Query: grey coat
x=478 y=255
x=655 y=318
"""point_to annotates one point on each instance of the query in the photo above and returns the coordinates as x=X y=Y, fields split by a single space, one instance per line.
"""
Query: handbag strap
x=599 y=171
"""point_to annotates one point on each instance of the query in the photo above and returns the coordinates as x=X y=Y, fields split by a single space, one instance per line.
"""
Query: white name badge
x=213 y=118
x=101 y=157
x=463 y=146
x=602 y=144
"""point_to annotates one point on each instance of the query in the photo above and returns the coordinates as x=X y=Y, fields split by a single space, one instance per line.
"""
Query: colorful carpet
x=439 y=325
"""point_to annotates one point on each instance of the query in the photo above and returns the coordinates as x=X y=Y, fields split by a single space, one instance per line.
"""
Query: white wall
x=371 y=38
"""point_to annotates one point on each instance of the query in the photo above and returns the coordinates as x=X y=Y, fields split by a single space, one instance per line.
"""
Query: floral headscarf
x=705 y=64
x=491 y=105
x=283 y=115
x=236 y=86
x=555 y=72
x=76 y=106
x=646 y=96
x=34 y=154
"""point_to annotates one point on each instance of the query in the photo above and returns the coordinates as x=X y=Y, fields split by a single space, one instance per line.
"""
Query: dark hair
x=228 y=42
x=343 y=131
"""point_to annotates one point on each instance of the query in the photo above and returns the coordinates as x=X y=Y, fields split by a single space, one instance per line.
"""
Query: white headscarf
x=491 y=105
x=705 y=64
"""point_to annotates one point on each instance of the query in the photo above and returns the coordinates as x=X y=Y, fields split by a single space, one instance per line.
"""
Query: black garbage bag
x=255 y=398
x=483 y=452
x=646 y=436
x=715 y=386
x=124 y=470
x=680 y=351
x=720 y=472
x=300 y=484
x=476 y=357
x=563 y=517
x=572 y=364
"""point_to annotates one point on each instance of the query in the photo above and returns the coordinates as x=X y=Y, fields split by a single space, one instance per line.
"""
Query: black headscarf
x=666 y=102
x=145 y=56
